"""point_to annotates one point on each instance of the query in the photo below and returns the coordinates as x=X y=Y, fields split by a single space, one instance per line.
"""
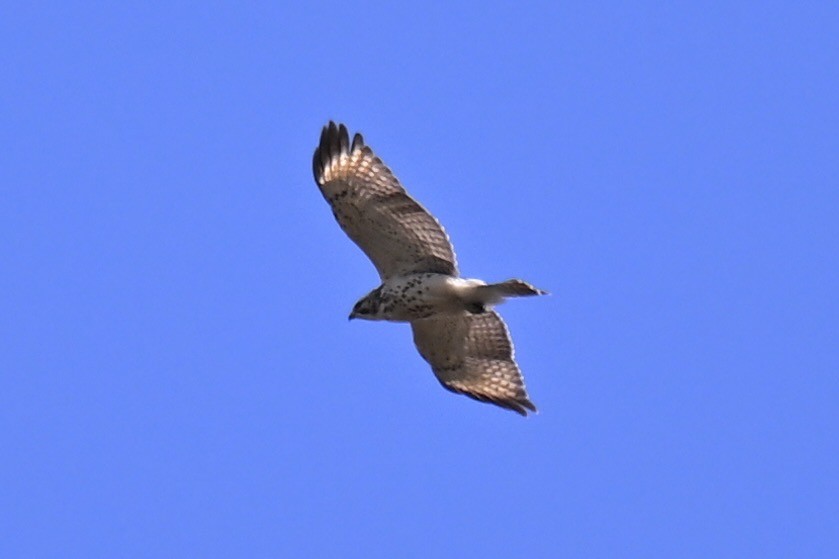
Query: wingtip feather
x=334 y=141
x=357 y=142
x=520 y=404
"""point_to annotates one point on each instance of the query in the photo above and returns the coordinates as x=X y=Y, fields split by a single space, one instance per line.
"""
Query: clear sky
x=178 y=377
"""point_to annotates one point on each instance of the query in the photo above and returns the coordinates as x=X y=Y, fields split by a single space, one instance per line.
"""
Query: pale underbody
x=416 y=296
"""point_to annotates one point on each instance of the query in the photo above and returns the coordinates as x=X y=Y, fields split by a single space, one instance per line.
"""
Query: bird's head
x=369 y=307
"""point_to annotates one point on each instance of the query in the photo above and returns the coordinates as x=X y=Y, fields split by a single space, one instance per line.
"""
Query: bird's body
x=465 y=342
x=411 y=297
x=415 y=296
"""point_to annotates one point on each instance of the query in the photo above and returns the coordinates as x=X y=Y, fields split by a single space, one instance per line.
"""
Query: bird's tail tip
x=517 y=288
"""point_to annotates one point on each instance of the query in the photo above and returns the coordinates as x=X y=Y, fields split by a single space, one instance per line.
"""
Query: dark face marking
x=361 y=309
x=370 y=305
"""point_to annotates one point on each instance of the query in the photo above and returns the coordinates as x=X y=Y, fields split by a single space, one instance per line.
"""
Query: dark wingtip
x=343 y=139
x=357 y=142
x=520 y=405
x=529 y=405
x=334 y=140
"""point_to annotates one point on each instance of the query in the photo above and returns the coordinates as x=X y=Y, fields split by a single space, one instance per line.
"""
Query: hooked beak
x=352 y=315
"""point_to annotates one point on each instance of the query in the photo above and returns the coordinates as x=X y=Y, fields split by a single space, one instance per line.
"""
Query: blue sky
x=177 y=374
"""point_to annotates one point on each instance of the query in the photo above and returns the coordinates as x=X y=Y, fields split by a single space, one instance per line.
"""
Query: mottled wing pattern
x=395 y=231
x=472 y=354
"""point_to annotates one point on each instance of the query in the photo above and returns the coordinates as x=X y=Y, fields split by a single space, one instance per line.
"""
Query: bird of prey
x=455 y=329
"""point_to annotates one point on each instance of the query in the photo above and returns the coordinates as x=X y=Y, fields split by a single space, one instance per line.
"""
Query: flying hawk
x=455 y=330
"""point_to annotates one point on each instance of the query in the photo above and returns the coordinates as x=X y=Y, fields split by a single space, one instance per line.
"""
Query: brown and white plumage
x=473 y=354
x=393 y=229
x=467 y=345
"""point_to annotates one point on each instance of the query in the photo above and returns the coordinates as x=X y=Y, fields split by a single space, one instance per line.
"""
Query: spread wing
x=472 y=354
x=392 y=229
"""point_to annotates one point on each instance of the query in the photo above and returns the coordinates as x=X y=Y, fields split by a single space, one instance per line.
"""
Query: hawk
x=455 y=329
